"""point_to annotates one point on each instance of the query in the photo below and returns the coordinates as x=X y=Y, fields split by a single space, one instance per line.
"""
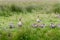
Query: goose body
x=34 y=25
x=38 y=20
x=52 y=25
x=11 y=25
x=58 y=25
x=42 y=25
x=19 y=23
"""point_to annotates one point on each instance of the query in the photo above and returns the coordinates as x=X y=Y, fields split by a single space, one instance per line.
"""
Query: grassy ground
x=11 y=11
x=27 y=32
x=46 y=18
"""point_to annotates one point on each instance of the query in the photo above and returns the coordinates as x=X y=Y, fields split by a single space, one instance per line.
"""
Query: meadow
x=11 y=11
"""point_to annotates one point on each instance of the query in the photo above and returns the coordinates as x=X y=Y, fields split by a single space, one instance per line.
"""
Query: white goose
x=38 y=20
x=20 y=23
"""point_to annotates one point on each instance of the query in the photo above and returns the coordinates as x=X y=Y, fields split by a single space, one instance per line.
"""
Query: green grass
x=27 y=32
x=23 y=7
x=12 y=11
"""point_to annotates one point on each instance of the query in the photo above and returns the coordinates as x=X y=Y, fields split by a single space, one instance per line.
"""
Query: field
x=47 y=10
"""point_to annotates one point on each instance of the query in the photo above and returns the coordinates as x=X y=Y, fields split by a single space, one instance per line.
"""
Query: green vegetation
x=48 y=12
x=5 y=10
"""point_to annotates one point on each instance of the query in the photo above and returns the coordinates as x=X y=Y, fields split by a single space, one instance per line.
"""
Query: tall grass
x=5 y=10
x=56 y=8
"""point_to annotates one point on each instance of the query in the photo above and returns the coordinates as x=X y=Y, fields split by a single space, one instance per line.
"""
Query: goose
x=52 y=25
x=11 y=25
x=42 y=25
x=38 y=20
x=57 y=15
x=34 y=25
x=58 y=25
x=20 y=23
